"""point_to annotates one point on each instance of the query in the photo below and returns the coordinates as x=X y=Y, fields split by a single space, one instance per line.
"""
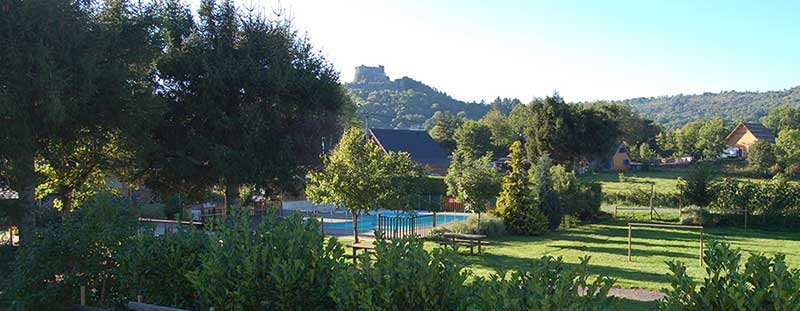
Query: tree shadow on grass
x=623 y=251
x=510 y=263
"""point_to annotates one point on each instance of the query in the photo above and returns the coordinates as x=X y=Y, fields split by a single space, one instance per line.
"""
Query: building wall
x=620 y=162
x=742 y=139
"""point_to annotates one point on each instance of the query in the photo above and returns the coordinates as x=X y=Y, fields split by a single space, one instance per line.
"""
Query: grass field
x=664 y=181
x=606 y=243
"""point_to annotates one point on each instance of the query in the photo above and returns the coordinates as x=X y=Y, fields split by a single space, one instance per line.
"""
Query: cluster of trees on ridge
x=407 y=103
x=150 y=94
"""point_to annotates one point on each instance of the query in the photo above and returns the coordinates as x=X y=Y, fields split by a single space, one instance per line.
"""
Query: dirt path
x=636 y=294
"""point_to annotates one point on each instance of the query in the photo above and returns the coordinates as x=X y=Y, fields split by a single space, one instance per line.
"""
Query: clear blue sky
x=585 y=50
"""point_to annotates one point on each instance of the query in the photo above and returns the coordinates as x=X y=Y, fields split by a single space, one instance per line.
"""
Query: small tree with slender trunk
x=362 y=177
x=473 y=182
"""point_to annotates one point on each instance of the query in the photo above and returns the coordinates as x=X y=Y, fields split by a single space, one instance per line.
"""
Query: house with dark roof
x=744 y=136
x=417 y=143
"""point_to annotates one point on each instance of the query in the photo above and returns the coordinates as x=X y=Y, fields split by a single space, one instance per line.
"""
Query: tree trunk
x=232 y=195
x=355 y=226
x=478 y=229
x=26 y=203
x=65 y=195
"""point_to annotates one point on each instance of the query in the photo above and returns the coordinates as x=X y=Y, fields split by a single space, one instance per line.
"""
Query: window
x=626 y=162
x=623 y=150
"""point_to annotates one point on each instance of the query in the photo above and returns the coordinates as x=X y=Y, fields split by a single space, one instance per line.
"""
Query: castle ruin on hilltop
x=370 y=75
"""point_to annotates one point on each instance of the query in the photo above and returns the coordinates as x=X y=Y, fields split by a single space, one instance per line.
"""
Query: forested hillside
x=677 y=110
x=408 y=103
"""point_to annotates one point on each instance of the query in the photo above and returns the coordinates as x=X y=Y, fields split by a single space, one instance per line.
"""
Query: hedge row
x=277 y=264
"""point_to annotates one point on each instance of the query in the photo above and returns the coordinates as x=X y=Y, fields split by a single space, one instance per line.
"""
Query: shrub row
x=774 y=200
x=277 y=264
x=762 y=283
x=641 y=197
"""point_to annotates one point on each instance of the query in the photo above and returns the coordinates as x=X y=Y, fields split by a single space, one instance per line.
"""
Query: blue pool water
x=368 y=223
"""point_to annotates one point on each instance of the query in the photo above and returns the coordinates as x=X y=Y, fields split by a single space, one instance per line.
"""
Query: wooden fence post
x=139 y=298
x=652 y=193
x=701 y=247
x=83 y=295
x=629 y=242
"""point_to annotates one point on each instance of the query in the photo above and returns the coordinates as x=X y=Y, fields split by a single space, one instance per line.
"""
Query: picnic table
x=366 y=247
x=469 y=240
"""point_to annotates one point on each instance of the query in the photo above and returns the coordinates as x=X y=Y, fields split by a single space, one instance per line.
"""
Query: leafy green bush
x=279 y=264
x=50 y=268
x=548 y=284
x=7 y=255
x=697 y=187
x=403 y=277
x=490 y=226
x=764 y=283
x=696 y=216
x=775 y=203
x=157 y=267
x=577 y=198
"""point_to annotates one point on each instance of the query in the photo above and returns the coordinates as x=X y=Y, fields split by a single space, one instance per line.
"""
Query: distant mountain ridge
x=676 y=110
x=408 y=103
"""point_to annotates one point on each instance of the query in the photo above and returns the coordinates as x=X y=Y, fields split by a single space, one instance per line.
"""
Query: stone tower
x=370 y=75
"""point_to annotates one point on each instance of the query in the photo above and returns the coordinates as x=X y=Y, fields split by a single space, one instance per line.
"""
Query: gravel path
x=636 y=294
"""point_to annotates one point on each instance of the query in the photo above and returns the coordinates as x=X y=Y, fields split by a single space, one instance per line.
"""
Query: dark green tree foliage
x=74 y=75
x=783 y=118
x=577 y=198
x=547 y=197
x=699 y=139
x=697 y=187
x=361 y=177
x=711 y=139
x=504 y=105
x=761 y=157
x=762 y=283
x=633 y=128
x=787 y=147
x=158 y=268
x=474 y=138
x=548 y=284
x=60 y=258
x=443 y=128
x=517 y=205
x=675 y=111
x=472 y=181
x=249 y=102
x=568 y=133
x=503 y=134
x=403 y=277
x=407 y=103
x=549 y=129
x=279 y=264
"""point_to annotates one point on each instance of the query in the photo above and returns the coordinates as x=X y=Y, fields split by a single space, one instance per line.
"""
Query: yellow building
x=620 y=159
x=745 y=135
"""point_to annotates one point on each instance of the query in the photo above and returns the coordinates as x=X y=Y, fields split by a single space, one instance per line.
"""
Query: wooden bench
x=368 y=248
x=468 y=240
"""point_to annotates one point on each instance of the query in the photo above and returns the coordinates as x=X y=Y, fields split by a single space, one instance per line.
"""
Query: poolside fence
x=395 y=227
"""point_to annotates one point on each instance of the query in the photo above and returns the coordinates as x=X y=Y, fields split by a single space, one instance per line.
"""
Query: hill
x=407 y=103
x=675 y=111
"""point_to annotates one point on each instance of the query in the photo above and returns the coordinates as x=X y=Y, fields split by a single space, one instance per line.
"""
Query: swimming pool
x=368 y=223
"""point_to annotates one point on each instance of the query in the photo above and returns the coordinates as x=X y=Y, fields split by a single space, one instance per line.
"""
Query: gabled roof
x=419 y=145
x=615 y=148
x=758 y=130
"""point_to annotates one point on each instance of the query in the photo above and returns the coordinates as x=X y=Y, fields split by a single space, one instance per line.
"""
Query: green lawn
x=606 y=243
x=665 y=180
